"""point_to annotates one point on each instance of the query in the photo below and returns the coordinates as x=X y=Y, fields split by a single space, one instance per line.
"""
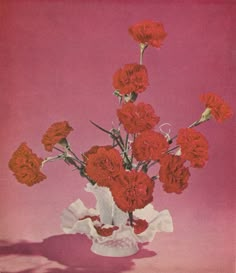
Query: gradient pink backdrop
x=57 y=59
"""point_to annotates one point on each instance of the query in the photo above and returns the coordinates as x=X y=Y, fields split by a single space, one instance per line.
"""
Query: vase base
x=109 y=250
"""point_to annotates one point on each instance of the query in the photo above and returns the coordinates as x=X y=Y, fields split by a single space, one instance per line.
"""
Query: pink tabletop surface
x=57 y=59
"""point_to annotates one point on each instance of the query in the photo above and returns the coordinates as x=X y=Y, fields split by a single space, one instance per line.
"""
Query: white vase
x=123 y=241
x=109 y=213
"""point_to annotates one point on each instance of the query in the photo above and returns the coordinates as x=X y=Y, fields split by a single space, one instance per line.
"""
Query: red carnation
x=173 y=174
x=93 y=150
x=194 y=147
x=131 y=78
x=148 y=32
x=137 y=118
x=149 y=145
x=56 y=133
x=219 y=109
x=26 y=166
x=132 y=190
x=103 y=164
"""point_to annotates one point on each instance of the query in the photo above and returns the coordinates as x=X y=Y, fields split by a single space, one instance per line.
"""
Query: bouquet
x=121 y=169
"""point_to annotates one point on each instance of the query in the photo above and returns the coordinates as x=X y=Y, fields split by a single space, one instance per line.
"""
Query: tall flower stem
x=153 y=163
x=118 y=140
x=142 y=49
x=172 y=149
x=127 y=142
x=131 y=218
x=76 y=157
x=194 y=124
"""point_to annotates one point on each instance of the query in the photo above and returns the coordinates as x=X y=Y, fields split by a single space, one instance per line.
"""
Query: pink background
x=57 y=59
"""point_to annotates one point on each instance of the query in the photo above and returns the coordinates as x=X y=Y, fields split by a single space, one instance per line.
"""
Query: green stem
x=102 y=129
x=153 y=163
x=76 y=157
x=131 y=218
x=118 y=139
x=58 y=149
x=194 y=124
x=172 y=149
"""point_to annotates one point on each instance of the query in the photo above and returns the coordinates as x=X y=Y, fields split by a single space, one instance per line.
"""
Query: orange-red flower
x=148 y=32
x=132 y=190
x=56 y=133
x=137 y=118
x=149 y=145
x=102 y=231
x=173 y=174
x=194 y=147
x=93 y=150
x=26 y=166
x=131 y=78
x=103 y=164
x=140 y=225
x=219 y=109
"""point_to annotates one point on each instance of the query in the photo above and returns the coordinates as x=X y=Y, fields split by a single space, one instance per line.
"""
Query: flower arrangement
x=120 y=170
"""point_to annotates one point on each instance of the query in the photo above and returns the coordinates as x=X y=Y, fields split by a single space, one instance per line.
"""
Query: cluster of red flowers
x=139 y=225
x=123 y=166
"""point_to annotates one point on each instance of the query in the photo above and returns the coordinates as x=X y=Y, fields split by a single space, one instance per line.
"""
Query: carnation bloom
x=131 y=78
x=56 y=133
x=148 y=32
x=93 y=150
x=103 y=164
x=194 y=147
x=173 y=174
x=137 y=118
x=149 y=145
x=26 y=166
x=218 y=108
x=132 y=190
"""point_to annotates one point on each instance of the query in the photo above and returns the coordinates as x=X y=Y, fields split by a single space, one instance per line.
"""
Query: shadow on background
x=72 y=251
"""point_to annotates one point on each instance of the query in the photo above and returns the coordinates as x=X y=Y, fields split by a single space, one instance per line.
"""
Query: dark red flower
x=56 y=133
x=137 y=118
x=102 y=231
x=132 y=190
x=139 y=225
x=194 y=147
x=173 y=174
x=131 y=78
x=26 y=166
x=103 y=164
x=149 y=145
x=148 y=32
x=219 y=109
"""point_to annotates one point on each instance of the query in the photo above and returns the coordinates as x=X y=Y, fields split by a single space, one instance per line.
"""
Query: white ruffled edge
x=157 y=222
